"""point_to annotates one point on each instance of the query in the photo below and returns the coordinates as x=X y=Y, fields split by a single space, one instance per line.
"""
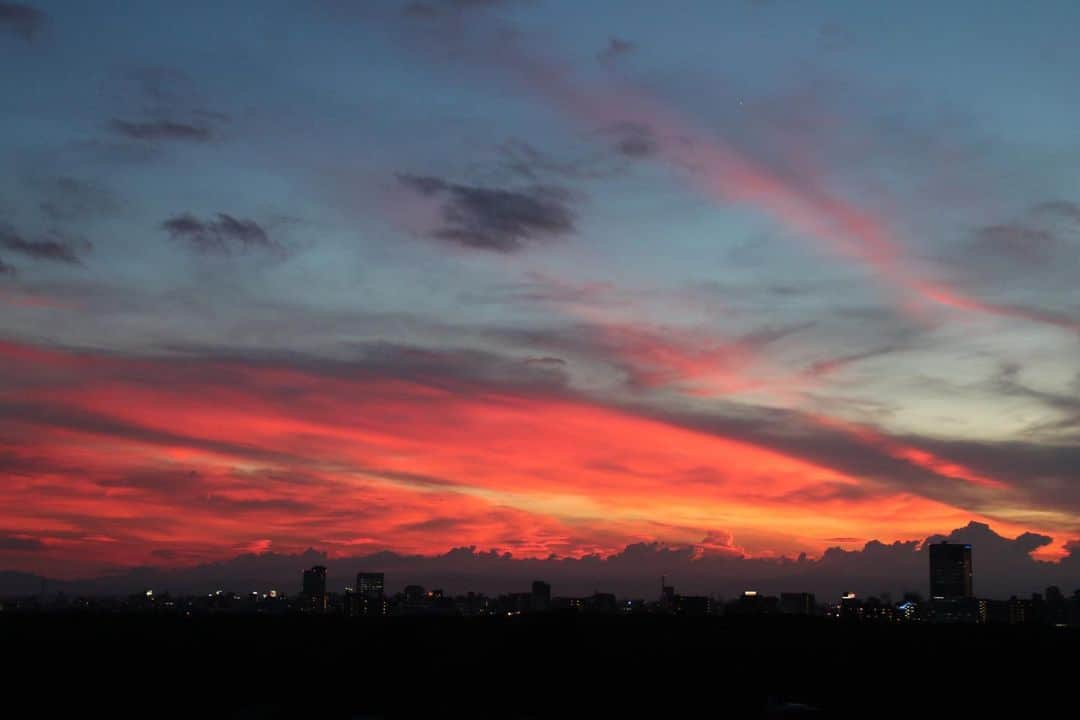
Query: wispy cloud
x=803 y=203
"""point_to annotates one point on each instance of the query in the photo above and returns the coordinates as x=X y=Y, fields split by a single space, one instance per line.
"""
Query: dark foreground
x=529 y=667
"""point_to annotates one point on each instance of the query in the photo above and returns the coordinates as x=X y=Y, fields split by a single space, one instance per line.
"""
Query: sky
x=740 y=280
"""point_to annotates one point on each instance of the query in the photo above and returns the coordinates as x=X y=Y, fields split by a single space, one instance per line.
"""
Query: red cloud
x=108 y=459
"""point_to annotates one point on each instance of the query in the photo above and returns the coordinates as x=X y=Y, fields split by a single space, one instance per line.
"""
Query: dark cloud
x=1016 y=243
x=22 y=20
x=536 y=288
x=218 y=236
x=615 y=49
x=459 y=369
x=634 y=140
x=1065 y=406
x=1040 y=476
x=496 y=219
x=1059 y=209
x=827 y=492
x=831 y=365
x=165 y=89
x=434 y=8
x=546 y=361
x=162 y=130
x=6 y=269
x=61 y=416
x=51 y=247
x=1035 y=249
x=420 y=9
x=17 y=543
x=170 y=555
x=68 y=199
x=162 y=104
x=1037 y=239
x=522 y=160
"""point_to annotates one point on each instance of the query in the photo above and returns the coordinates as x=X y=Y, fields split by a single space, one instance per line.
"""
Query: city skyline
x=951 y=601
x=1006 y=569
x=758 y=290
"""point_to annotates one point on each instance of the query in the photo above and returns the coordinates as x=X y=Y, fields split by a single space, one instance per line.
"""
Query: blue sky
x=845 y=232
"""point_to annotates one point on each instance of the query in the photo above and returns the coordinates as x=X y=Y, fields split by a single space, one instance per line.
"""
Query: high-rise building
x=751 y=602
x=370 y=590
x=541 y=596
x=950 y=571
x=667 y=596
x=315 y=587
x=799 y=603
x=850 y=607
x=693 y=605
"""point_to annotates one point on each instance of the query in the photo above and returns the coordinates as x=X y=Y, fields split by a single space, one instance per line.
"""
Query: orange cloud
x=114 y=459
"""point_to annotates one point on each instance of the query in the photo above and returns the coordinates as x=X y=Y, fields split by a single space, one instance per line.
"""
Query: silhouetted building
x=416 y=601
x=601 y=603
x=950 y=571
x=1038 y=609
x=667 y=596
x=1019 y=611
x=994 y=612
x=541 y=596
x=909 y=611
x=315 y=587
x=956 y=610
x=751 y=602
x=350 y=603
x=371 y=593
x=693 y=605
x=567 y=603
x=876 y=609
x=516 y=603
x=850 y=607
x=597 y=603
x=1055 y=606
x=797 y=603
x=474 y=604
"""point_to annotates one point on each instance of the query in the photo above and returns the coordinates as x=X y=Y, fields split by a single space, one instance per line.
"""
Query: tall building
x=800 y=603
x=751 y=602
x=371 y=592
x=667 y=596
x=541 y=596
x=693 y=605
x=315 y=587
x=850 y=607
x=950 y=571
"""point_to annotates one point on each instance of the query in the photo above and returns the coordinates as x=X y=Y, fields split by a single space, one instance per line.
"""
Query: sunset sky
x=538 y=276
